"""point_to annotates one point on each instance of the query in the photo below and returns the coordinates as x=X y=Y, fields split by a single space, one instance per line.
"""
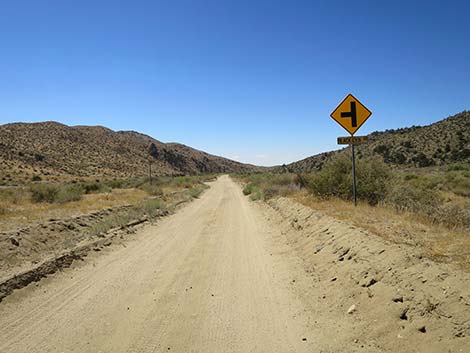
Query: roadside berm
x=371 y=293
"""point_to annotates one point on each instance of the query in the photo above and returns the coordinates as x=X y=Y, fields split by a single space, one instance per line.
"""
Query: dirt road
x=202 y=280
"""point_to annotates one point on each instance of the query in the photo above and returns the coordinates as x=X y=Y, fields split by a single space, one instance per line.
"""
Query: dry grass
x=24 y=212
x=437 y=242
x=19 y=207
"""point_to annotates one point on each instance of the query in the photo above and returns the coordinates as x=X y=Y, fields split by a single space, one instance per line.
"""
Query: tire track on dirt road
x=201 y=280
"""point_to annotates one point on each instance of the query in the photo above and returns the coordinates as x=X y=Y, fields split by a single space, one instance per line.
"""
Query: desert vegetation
x=426 y=207
x=440 y=144
x=40 y=201
x=439 y=195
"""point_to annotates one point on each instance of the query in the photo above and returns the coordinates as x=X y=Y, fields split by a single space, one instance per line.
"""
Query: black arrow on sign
x=351 y=114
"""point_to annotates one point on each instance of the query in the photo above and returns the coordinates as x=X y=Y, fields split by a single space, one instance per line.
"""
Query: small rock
x=352 y=309
x=318 y=248
x=304 y=339
x=398 y=299
x=369 y=282
x=14 y=242
x=333 y=279
x=403 y=315
x=422 y=329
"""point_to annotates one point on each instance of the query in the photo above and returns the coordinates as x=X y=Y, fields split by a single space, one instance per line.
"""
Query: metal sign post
x=354 y=175
x=351 y=114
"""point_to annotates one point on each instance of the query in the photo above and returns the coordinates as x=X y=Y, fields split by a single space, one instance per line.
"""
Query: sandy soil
x=228 y=275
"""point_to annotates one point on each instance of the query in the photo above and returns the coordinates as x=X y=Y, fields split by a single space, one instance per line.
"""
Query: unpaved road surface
x=202 y=280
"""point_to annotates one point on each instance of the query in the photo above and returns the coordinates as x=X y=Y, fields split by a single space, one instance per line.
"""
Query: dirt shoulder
x=30 y=253
x=372 y=293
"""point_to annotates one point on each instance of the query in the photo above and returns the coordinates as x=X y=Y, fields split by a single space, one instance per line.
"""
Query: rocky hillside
x=441 y=143
x=53 y=151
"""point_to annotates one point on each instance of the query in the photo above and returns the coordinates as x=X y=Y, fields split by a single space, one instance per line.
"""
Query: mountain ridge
x=440 y=143
x=51 y=151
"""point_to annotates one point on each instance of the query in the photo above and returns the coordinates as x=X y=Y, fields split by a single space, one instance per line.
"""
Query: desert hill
x=54 y=151
x=444 y=142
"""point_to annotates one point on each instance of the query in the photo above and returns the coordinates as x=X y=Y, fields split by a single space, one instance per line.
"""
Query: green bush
x=335 y=179
x=268 y=185
x=458 y=182
x=248 y=189
x=152 y=207
x=95 y=187
x=256 y=195
x=68 y=193
x=56 y=193
x=451 y=215
x=44 y=193
x=196 y=191
x=414 y=198
x=152 y=189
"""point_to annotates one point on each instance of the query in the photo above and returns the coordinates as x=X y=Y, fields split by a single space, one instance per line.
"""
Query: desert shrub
x=56 y=193
x=335 y=179
x=95 y=187
x=373 y=180
x=280 y=190
x=12 y=195
x=248 y=189
x=152 y=189
x=458 y=167
x=195 y=192
x=458 y=182
x=451 y=215
x=268 y=185
x=36 y=178
x=39 y=157
x=44 y=193
x=183 y=181
x=405 y=196
x=256 y=195
x=70 y=192
x=152 y=207
x=116 y=183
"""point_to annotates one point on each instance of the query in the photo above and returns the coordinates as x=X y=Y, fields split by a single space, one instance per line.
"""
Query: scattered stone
x=352 y=309
x=318 y=248
x=369 y=282
x=398 y=299
x=14 y=242
x=333 y=279
x=403 y=315
x=304 y=339
x=422 y=329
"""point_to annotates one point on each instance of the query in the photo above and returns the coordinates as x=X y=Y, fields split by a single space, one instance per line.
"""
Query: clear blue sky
x=253 y=80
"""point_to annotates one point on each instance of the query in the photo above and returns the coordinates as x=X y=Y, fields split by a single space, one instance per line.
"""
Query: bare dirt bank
x=371 y=292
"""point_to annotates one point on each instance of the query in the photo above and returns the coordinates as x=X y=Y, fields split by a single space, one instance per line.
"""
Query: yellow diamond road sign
x=351 y=114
